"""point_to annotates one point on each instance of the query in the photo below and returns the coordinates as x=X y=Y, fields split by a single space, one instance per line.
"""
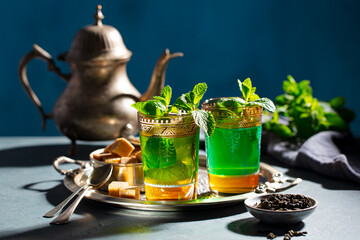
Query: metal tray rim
x=97 y=195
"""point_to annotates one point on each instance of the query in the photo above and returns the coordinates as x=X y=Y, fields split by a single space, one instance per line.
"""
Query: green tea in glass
x=169 y=139
x=170 y=153
x=233 y=150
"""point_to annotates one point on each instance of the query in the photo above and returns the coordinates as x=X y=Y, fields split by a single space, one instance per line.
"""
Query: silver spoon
x=61 y=205
x=98 y=178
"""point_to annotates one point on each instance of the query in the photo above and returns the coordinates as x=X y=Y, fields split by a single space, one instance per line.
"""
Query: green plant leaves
x=190 y=101
x=265 y=103
x=161 y=100
x=283 y=131
x=230 y=102
x=337 y=102
x=167 y=175
x=166 y=94
x=204 y=120
x=160 y=152
x=182 y=103
x=150 y=107
x=199 y=91
x=234 y=106
x=246 y=88
x=253 y=97
x=156 y=107
x=187 y=102
x=306 y=114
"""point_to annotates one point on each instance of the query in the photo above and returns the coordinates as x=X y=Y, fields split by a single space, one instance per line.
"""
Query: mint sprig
x=158 y=106
x=307 y=115
x=187 y=102
x=251 y=98
x=205 y=120
x=150 y=107
x=190 y=101
x=234 y=106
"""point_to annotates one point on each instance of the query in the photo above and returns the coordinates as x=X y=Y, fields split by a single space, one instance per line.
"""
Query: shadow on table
x=42 y=155
x=253 y=227
x=101 y=220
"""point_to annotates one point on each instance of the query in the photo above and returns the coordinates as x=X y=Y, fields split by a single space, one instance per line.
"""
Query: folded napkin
x=330 y=153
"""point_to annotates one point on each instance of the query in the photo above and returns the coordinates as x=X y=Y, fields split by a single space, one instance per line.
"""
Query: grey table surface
x=30 y=187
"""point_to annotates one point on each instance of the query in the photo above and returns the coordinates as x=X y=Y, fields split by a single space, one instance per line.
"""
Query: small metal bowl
x=277 y=217
x=132 y=172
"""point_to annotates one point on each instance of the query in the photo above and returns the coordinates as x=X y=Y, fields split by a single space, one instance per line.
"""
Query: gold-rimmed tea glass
x=233 y=151
x=170 y=152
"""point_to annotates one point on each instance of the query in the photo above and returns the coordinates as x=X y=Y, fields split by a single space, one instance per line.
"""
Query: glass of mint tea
x=233 y=151
x=170 y=152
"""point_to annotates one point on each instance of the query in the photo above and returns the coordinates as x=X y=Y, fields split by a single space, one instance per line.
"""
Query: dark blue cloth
x=330 y=153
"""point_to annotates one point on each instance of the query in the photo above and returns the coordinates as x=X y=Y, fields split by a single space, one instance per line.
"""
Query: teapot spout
x=158 y=77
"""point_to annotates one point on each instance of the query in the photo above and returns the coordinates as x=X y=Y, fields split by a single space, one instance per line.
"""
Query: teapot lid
x=97 y=42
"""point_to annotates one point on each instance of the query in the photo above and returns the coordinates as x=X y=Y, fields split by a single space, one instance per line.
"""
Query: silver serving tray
x=270 y=180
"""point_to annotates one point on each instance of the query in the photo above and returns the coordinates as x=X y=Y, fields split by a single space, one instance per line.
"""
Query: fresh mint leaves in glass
x=169 y=138
x=233 y=151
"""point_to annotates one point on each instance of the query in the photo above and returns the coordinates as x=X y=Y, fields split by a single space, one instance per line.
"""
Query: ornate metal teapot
x=96 y=104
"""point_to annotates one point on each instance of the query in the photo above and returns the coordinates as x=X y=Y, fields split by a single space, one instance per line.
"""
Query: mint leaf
x=167 y=152
x=283 y=131
x=162 y=154
x=232 y=106
x=204 y=120
x=188 y=98
x=304 y=87
x=167 y=175
x=336 y=122
x=199 y=91
x=337 y=102
x=231 y=103
x=174 y=109
x=156 y=108
x=284 y=99
x=247 y=89
x=253 y=97
x=166 y=94
x=291 y=87
x=253 y=90
x=162 y=100
x=265 y=103
x=240 y=85
x=181 y=104
x=150 y=107
x=307 y=115
x=139 y=106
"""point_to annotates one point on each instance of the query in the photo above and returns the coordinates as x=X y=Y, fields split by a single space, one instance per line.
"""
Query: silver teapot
x=96 y=104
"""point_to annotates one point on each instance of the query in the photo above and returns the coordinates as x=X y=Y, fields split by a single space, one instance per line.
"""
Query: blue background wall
x=221 y=41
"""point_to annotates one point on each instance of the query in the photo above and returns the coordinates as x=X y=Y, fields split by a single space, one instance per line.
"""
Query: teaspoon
x=98 y=178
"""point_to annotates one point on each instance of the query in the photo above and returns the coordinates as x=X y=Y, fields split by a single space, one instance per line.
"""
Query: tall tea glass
x=233 y=151
x=170 y=152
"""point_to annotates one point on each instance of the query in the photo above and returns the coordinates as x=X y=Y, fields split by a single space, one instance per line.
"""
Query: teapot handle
x=38 y=52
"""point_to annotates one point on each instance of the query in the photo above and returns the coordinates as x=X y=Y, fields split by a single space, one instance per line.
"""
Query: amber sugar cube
x=131 y=159
x=113 y=160
x=102 y=156
x=130 y=192
x=115 y=187
x=120 y=147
